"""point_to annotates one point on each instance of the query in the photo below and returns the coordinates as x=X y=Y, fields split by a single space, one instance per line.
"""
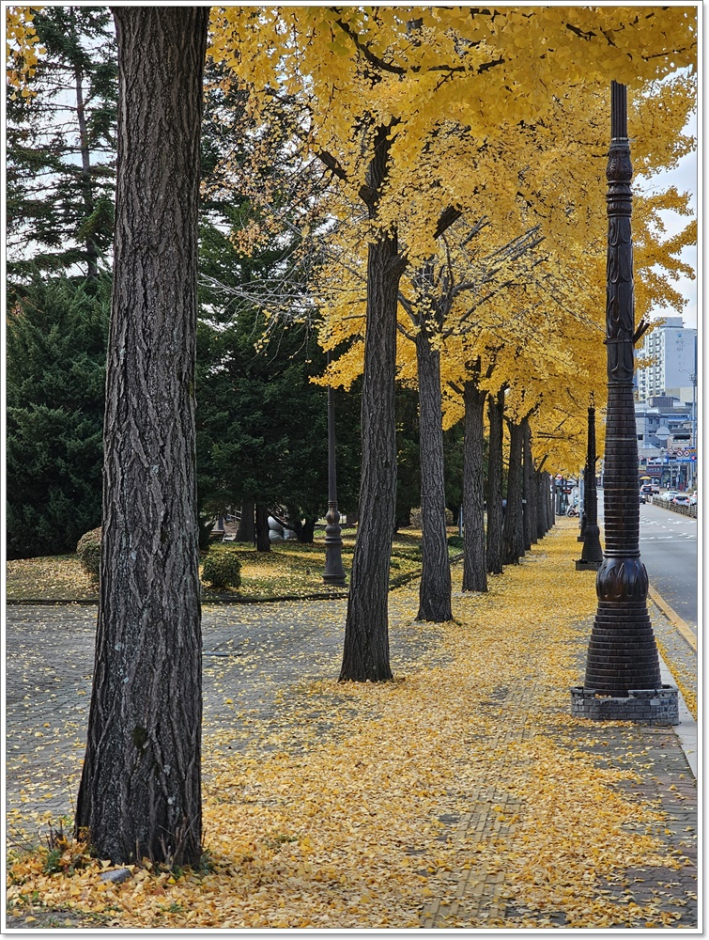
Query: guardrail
x=682 y=510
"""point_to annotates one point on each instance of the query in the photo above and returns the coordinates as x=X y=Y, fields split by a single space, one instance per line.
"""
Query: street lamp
x=334 y=572
x=623 y=680
x=591 y=553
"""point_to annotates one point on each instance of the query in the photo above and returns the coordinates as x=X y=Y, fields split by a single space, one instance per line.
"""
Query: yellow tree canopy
x=438 y=79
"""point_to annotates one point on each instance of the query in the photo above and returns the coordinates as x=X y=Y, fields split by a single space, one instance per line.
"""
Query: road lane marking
x=680 y=625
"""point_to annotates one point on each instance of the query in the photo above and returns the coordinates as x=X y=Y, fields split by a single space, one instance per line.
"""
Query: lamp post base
x=642 y=706
x=582 y=565
x=334 y=572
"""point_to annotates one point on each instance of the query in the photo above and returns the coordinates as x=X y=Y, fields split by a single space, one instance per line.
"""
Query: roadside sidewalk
x=462 y=795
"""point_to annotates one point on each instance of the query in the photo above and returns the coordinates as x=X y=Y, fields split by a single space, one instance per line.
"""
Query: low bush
x=456 y=541
x=88 y=549
x=222 y=569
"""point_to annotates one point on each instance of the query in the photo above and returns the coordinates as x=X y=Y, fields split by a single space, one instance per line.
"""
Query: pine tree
x=56 y=356
x=61 y=147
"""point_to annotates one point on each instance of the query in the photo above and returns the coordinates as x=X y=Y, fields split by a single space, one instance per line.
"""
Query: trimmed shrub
x=456 y=541
x=89 y=551
x=222 y=569
x=415 y=518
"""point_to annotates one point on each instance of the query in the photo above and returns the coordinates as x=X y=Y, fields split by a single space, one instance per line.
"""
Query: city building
x=671 y=352
x=666 y=430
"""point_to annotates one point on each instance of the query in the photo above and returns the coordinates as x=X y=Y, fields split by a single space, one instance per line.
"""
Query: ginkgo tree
x=437 y=306
x=376 y=87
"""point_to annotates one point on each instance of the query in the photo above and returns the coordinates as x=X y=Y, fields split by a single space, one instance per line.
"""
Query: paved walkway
x=256 y=653
x=252 y=652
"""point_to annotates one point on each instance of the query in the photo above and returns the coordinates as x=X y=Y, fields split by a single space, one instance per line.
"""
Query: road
x=668 y=547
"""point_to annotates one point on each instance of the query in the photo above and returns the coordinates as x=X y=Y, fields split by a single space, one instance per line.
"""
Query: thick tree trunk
x=246 y=532
x=495 y=521
x=140 y=788
x=435 y=586
x=366 y=647
x=474 y=562
x=513 y=535
x=263 y=539
x=529 y=491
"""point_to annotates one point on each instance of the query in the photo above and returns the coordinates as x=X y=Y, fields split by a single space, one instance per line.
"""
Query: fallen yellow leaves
x=464 y=785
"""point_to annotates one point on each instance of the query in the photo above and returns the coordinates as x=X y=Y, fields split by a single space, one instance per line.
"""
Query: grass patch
x=290 y=568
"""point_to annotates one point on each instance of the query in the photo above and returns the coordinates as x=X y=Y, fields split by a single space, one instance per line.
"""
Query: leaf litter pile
x=462 y=794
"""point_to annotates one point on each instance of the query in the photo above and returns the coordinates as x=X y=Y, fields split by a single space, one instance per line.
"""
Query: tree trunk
x=366 y=648
x=474 y=562
x=529 y=491
x=542 y=505
x=495 y=521
x=263 y=539
x=513 y=535
x=435 y=586
x=87 y=194
x=304 y=528
x=246 y=531
x=140 y=788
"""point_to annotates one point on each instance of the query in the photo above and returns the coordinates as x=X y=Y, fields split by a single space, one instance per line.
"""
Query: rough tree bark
x=246 y=531
x=140 y=788
x=474 y=561
x=495 y=521
x=435 y=586
x=513 y=535
x=263 y=539
x=366 y=647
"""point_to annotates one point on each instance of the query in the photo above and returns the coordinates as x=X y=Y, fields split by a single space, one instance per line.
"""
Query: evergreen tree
x=262 y=424
x=56 y=354
x=61 y=147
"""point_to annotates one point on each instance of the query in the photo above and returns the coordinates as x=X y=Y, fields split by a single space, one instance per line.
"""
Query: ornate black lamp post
x=334 y=572
x=622 y=670
x=591 y=553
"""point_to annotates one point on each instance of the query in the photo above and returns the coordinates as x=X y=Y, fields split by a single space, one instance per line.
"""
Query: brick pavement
x=49 y=664
x=483 y=897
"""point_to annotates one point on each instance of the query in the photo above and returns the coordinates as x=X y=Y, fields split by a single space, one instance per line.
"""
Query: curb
x=680 y=625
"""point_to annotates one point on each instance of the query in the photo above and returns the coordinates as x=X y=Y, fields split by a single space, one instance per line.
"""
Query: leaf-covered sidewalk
x=462 y=794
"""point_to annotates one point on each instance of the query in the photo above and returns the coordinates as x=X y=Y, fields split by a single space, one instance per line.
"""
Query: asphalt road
x=668 y=548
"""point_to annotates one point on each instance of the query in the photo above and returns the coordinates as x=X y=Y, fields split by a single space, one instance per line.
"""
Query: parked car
x=681 y=499
x=669 y=495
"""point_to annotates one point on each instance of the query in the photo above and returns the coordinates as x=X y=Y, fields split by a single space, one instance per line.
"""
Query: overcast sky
x=685 y=178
